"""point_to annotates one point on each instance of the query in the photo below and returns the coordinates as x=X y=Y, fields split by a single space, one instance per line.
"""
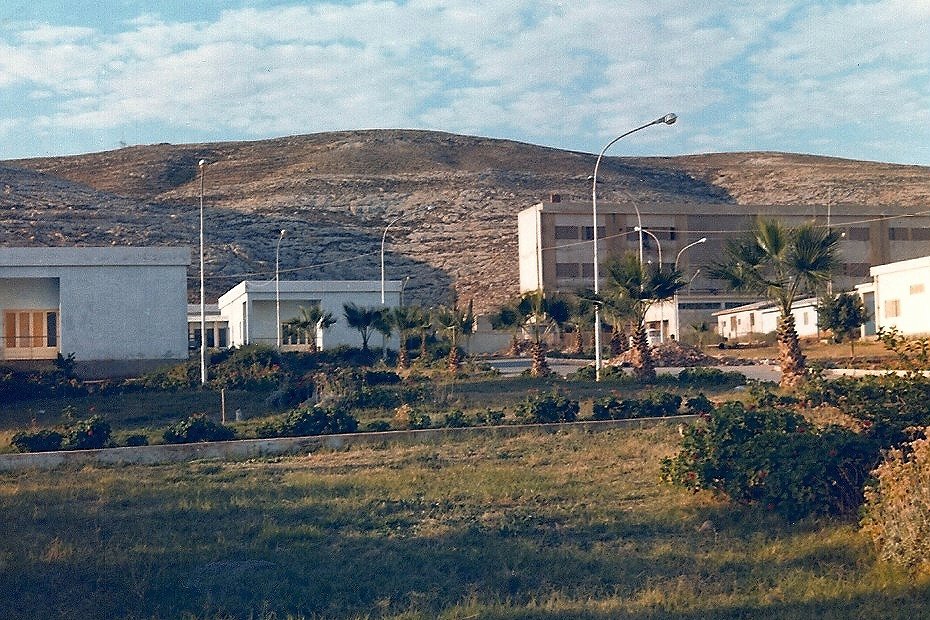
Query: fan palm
x=507 y=317
x=455 y=323
x=780 y=264
x=541 y=315
x=309 y=321
x=632 y=288
x=405 y=319
x=365 y=321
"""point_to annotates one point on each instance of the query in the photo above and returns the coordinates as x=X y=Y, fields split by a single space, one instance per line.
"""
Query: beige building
x=557 y=253
x=899 y=297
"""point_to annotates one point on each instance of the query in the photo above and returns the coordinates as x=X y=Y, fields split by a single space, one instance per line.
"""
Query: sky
x=845 y=79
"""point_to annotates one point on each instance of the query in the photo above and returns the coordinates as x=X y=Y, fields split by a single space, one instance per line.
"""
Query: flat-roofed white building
x=759 y=318
x=252 y=308
x=900 y=293
x=119 y=310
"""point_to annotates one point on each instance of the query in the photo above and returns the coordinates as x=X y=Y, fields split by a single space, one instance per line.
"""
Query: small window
x=920 y=234
x=589 y=232
x=566 y=270
x=566 y=232
x=892 y=308
x=857 y=234
x=917 y=289
x=587 y=270
x=899 y=234
x=224 y=337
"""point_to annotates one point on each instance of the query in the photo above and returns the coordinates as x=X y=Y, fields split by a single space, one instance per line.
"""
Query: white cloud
x=570 y=74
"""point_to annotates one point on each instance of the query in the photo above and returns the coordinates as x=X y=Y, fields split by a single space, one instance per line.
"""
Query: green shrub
x=311 y=421
x=456 y=419
x=378 y=426
x=90 y=434
x=773 y=458
x=547 y=409
x=197 y=428
x=137 y=440
x=699 y=404
x=884 y=405
x=700 y=376
x=489 y=417
x=44 y=440
x=654 y=405
x=613 y=374
x=897 y=506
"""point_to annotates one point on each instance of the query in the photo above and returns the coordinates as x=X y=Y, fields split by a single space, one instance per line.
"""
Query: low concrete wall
x=257 y=448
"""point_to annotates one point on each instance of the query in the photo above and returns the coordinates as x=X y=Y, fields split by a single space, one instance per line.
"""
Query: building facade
x=899 y=296
x=556 y=249
x=117 y=309
x=252 y=308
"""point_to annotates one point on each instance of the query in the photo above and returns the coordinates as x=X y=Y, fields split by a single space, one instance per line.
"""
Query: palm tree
x=455 y=322
x=365 y=321
x=541 y=315
x=701 y=330
x=581 y=315
x=404 y=319
x=780 y=264
x=632 y=288
x=309 y=322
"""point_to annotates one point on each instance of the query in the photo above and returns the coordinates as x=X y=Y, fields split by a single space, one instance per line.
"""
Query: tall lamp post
x=642 y=230
x=383 y=240
x=668 y=119
x=203 y=308
x=677 y=258
x=277 y=289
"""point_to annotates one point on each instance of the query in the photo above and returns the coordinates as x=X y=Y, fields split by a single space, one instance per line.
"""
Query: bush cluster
x=90 y=434
x=196 y=428
x=774 y=458
x=710 y=377
x=306 y=421
x=897 y=506
x=547 y=409
x=655 y=405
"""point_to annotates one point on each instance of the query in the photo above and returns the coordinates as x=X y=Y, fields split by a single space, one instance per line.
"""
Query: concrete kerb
x=244 y=449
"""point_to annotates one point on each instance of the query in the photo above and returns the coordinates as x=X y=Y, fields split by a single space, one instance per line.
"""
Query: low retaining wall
x=258 y=448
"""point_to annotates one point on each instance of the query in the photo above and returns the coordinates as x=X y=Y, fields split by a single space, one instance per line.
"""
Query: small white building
x=900 y=295
x=119 y=310
x=744 y=322
x=217 y=326
x=252 y=308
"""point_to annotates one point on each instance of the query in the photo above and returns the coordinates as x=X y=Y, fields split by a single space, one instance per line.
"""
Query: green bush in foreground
x=44 y=440
x=90 y=434
x=897 y=506
x=547 y=409
x=311 y=421
x=773 y=457
x=196 y=428
x=655 y=405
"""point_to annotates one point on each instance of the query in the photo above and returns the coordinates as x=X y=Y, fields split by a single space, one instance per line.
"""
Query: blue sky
x=847 y=79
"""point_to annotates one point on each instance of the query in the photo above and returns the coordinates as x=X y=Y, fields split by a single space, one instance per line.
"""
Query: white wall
x=116 y=303
x=902 y=296
x=257 y=324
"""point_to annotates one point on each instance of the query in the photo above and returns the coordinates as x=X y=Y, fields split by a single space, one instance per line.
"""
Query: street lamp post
x=677 y=258
x=668 y=119
x=383 y=240
x=277 y=289
x=642 y=230
x=203 y=308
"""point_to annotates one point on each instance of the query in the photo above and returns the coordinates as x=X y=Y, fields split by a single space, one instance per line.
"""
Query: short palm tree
x=581 y=316
x=365 y=321
x=455 y=323
x=540 y=316
x=780 y=264
x=309 y=322
x=404 y=319
x=633 y=288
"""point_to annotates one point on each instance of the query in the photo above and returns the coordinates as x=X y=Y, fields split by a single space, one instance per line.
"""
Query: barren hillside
x=456 y=198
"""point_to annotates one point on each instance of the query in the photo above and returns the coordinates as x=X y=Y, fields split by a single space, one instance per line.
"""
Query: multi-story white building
x=557 y=252
x=899 y=296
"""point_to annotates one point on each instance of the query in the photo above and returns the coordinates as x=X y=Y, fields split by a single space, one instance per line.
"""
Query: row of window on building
x=668 y=233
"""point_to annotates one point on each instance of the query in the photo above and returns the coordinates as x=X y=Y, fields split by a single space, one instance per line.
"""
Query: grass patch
x=570 y=525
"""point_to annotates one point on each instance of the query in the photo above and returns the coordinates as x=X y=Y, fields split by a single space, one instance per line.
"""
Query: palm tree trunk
x=539 y=367
x=455 y=361
x=403 y=357
x=423 y=346
x=641 y=356
x=617 y=342
x=790 y=357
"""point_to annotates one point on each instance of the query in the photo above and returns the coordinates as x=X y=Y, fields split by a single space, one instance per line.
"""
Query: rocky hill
x=454 y=198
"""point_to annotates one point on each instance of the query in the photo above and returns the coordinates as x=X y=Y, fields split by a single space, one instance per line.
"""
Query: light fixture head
x=702 y=240
x=283 y=232
x=669 y=118
x=202 y=163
